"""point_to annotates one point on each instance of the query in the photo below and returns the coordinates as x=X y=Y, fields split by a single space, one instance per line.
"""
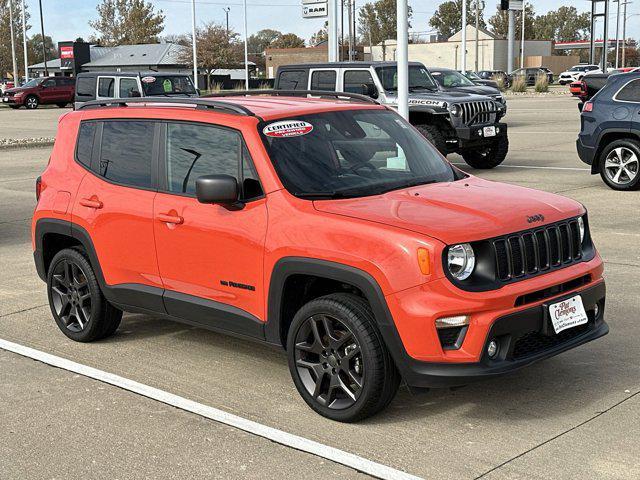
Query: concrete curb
x=13 y=143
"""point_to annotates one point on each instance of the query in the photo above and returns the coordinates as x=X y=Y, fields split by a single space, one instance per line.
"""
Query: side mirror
x=370 y=90
x=221 y=189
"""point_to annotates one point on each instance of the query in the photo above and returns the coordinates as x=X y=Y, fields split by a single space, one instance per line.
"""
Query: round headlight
x=581 y=228
x=461 y=260
x=455 y=110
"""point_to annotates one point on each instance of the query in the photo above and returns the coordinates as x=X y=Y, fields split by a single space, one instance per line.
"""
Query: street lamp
x=193 y=42
x=402 y=57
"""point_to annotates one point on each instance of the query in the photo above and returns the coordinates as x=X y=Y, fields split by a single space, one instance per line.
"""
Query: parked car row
x=41 y=91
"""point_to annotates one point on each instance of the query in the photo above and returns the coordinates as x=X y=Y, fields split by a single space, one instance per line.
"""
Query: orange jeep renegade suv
x=328 y=226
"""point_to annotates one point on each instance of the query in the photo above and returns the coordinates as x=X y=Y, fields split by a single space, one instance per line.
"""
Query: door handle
x=92 y=202
x=169 y=218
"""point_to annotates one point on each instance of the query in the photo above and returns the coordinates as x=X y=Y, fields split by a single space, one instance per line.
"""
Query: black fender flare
x=287 y=266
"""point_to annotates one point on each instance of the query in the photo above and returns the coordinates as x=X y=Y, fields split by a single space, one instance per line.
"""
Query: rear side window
x=84 y=148
x=354 y=79
x=196 y=150
x=323 y=80
x=85 y=87
x=129 y=88
x=126 y=152
x=630 y=92
x=105 y=87
x=292 y=80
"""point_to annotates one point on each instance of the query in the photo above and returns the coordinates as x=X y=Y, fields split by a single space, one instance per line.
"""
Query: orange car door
x=210 y=256
x=114 y=204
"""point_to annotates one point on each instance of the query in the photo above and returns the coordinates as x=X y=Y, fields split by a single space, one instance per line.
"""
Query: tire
x=627 y=177
x=435 y=136
x=31 y=102
x=487 y=157
x=15 y=107
x=77 y=304
x=61 y=105
x=355 y=352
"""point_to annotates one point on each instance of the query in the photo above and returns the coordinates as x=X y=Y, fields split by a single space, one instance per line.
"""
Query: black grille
x=478 y=113
x=534 y=342
x=536 y=251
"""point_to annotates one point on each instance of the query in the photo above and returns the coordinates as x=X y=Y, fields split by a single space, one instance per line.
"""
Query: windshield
x=33 y=83
x=451 y=79
x=578 y=69
x=419 y=78
x=167 y=85
x=471 y=75
x=351 y=154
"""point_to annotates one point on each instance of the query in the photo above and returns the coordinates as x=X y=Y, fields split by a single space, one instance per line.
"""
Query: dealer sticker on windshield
x=287 y=128
x=567 y=314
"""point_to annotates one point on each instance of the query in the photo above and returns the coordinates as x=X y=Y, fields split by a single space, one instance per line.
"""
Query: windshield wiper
x=409 y=183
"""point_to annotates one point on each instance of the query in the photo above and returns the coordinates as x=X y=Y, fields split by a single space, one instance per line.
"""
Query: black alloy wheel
x=70 y=295
x=338 y=360
x=329 y=361
x=77 y=303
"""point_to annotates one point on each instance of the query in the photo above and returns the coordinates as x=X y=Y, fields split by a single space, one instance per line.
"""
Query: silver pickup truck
x=453 y=122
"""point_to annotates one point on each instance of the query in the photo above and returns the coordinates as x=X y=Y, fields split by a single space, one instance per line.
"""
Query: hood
x=474 y=89
x=463 y=211
x=15 y=90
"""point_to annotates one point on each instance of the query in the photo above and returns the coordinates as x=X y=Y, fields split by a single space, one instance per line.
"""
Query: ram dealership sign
x=314 y=9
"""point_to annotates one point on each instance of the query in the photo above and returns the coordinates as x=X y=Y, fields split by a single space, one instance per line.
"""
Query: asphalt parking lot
x=576 y=415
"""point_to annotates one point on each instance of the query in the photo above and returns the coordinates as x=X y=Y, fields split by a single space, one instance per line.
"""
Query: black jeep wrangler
x=454 y=122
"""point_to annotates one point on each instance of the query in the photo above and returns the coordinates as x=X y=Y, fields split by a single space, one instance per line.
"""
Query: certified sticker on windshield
x=287 y=128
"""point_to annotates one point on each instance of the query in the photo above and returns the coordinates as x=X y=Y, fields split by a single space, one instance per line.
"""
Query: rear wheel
x=434 y=135
x=31 y=102
x=77 y=304
x=338 y=361
x=620 y=165
x=487 y=156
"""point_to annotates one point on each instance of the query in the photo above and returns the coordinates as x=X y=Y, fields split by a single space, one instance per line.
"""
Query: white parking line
x=287 y=439
x=575 y=169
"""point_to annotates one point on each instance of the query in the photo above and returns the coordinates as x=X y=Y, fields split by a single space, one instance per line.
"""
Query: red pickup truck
x=39 y=91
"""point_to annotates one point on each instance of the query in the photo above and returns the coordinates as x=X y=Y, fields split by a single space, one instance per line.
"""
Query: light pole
x=617 y=32
x=24 y=44
x=226 y=13
x=333 y=31
x=193 y=42
x=246 y=48
x=524 y=16
x=44 y=50
x=624 y=32
x=16 y=82
x=463 y=64
x=478 y=4
x=511 y=40
x=402 y=57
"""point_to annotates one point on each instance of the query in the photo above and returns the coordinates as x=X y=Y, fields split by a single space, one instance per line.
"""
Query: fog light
x=492 y=349
x=497 y=129
x=596 y=311
x=479 y=133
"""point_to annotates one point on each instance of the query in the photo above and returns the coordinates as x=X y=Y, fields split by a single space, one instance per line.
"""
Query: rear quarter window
x=84 y=147
x=85 y=87
x=292 y=80
x=630 y=92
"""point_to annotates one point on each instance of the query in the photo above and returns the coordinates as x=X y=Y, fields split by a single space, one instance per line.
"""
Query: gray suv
x=454 y=122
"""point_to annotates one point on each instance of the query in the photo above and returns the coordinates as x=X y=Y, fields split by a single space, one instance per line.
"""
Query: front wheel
x=620 y=165
x=61 y=105
x=338 y=361
x=435 y=136
x=487 y=156
x=31 y=102
x=77 y=304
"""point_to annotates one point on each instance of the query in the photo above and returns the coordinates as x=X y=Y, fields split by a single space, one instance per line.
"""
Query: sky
x=69 y=19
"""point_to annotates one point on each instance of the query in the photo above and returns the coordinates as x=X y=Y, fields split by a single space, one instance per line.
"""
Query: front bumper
x=6 y=100
x=474 y=135
x=524 y=337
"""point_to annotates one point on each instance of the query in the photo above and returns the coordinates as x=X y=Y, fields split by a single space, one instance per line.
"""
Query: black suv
x=454 y=122
x=609 y=137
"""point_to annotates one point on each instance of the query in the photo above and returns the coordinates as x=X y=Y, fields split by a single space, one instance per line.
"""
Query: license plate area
x=565 y=314
x=489 y=131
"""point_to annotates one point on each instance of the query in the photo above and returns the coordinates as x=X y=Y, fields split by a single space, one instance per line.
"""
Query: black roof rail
x=226 y=107
x=294 y=93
